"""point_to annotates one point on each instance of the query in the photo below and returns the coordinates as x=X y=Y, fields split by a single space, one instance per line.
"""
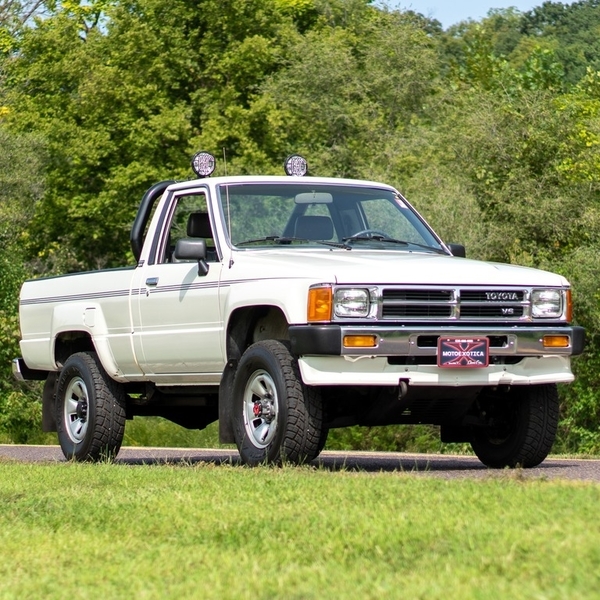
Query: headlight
x=547 y=304
x=351 y=303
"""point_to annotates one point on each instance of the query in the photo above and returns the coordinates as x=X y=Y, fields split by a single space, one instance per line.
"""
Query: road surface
x=424 y=465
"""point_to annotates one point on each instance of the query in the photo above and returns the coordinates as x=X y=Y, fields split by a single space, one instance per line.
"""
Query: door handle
x=152 y=281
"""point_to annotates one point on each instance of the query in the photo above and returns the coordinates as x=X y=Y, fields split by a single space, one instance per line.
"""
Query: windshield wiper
x=381 y=237
x=426 y=247
x=377 y=237
x=334 y=244
x=278 y=239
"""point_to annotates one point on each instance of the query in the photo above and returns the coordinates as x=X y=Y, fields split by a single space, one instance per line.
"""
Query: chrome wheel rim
x=76 y=408
x=261 y=409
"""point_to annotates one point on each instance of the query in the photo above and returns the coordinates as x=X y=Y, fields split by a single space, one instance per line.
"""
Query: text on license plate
x=461 y=353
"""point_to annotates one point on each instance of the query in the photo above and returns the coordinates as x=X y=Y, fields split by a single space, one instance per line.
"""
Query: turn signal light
x=360 y=341
x=319 y=304
x=556 y=341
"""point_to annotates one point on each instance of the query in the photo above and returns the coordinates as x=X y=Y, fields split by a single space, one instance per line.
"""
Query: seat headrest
x=314 y=228
x=198 y=225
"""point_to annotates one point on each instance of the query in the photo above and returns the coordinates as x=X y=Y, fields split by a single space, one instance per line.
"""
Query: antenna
x=225 y=160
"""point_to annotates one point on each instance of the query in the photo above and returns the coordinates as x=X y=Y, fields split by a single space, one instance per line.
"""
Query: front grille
x=414 y=311
x=416 y=303
x=470 y=304
x=394 y=295
x=491 y=312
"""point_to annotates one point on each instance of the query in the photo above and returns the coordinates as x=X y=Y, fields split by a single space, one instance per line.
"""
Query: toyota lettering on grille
x=502 y=296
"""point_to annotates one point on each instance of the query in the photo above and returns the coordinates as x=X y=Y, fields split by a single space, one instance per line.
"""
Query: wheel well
x=70 y=342
x=252 y=324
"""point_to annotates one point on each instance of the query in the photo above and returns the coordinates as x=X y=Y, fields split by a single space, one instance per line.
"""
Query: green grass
x=204 y=531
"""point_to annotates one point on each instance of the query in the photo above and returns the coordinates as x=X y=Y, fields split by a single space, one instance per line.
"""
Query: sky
x=449 y=12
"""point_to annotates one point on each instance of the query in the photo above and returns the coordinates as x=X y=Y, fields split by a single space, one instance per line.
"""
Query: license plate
x=463 y=353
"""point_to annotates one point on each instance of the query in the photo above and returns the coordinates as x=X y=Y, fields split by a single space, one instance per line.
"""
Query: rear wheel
x=520 y=426
x=90 y=410
x=276 y=417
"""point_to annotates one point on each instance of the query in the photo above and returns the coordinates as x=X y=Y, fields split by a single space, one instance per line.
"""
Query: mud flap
x=226 y=404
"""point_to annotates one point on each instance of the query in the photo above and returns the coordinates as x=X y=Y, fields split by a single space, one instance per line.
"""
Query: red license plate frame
x=463 y=352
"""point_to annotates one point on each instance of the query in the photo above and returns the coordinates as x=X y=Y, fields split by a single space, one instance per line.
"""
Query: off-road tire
x=276 y=418
x=90 y=410
x=522 y=427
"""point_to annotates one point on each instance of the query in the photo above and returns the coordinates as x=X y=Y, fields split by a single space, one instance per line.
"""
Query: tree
x=346 y=97
x=22 y=159
x=573 y=29
x=126 y=104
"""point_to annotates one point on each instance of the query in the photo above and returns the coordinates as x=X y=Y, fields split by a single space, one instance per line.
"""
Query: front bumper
x=421 y=341
x=517 y=356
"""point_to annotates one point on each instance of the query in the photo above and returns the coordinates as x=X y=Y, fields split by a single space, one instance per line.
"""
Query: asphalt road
x=423 y=465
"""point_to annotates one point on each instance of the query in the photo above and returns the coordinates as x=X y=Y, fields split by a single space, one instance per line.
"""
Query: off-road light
x=295 y=165
x=203 y=164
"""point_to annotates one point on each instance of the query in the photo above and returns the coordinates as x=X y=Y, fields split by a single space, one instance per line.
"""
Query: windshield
x=306 y=214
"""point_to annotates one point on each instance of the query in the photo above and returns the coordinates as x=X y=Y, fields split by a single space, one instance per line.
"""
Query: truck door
x=178 y=326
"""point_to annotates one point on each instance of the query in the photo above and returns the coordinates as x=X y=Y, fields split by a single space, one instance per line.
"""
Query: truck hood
x=388 y=267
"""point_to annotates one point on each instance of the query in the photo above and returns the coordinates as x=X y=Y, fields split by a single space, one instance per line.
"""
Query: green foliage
x=345 y=96
x=154 y=431
x=572 y=28
x=395 y=438
x=21 y=185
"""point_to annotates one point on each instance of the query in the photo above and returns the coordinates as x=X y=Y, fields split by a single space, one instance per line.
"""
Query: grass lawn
x=118 y=531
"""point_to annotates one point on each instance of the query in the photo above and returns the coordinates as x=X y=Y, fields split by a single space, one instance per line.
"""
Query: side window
x=178 y=229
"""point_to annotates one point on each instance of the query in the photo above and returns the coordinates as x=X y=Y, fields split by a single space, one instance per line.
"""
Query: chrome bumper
x=415 y=340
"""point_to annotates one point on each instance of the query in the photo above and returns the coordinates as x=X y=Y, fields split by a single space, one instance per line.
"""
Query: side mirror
x=457 y=250
x=192 y=249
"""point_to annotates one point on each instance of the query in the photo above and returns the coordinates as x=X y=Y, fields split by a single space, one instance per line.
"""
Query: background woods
x=491 y=128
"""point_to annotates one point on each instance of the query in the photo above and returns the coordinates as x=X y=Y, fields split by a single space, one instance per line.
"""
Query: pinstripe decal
x=184 y=287
x=142 y=291
x=75 y=297
x=121 y=293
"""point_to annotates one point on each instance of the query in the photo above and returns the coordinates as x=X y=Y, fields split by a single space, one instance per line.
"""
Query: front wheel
x=90 y=410
x=276 y=417
x=520 y=426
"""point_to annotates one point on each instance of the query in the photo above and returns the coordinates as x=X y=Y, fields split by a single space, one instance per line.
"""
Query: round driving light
x=295 y=165
x=203 y=164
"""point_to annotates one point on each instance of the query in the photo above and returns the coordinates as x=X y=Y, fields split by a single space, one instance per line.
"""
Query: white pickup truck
x=287 y=306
